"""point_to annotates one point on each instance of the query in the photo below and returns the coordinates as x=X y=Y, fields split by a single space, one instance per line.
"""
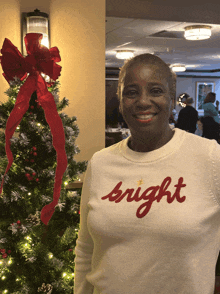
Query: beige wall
x=78 y=30
x=9 y=28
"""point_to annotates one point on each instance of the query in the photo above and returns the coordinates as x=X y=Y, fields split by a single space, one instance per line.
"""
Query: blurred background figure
x=210 y=120
x=209 y=107
x=188 y=117
x=199 y=130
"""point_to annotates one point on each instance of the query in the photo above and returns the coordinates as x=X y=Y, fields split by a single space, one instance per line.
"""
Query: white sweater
x=150 y=221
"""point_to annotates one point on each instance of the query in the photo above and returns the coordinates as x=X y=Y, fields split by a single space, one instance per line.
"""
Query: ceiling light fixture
x=124 y=54
x=178 y=67
x=197 y=32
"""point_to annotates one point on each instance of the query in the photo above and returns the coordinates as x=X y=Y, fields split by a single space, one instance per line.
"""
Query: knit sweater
x=150 y=221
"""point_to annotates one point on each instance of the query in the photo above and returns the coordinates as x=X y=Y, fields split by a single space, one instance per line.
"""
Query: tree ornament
x=35 y=153
x=34 y=220
x=34 y=174
x=45 y=288
x=39 y=60
x=34 y=148
x=18 y=222
x=37 y=180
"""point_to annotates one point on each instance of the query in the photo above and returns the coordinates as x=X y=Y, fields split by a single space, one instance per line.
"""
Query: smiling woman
x=149 y=214
x=146 y=102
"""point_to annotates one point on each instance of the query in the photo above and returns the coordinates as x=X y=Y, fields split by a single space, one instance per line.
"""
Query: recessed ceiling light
x=197 y=32
x=124 y=54
x=178 y=67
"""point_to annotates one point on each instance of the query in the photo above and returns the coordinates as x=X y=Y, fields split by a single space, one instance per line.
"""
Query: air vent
x=168 y=34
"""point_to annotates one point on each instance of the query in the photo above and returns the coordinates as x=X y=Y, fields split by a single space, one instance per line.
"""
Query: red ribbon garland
x=39 y=60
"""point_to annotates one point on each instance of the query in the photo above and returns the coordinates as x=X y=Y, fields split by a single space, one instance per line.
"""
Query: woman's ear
x=171 y=105
x=120 y=107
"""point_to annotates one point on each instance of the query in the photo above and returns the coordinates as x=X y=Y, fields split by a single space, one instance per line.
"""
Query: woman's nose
x=144 y=98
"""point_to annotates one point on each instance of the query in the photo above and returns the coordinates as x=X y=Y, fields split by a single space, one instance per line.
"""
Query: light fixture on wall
x=35 y=22
x=197 y=32
x=178 y=67
x=124 y=54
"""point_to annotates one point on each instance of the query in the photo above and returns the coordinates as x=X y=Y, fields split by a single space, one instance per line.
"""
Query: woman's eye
x=156 y=91
x=130 y=93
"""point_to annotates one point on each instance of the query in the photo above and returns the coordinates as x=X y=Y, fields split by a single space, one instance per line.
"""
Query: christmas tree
x=35 y=258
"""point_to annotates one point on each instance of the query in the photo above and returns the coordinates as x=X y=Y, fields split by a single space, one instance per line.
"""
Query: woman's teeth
x=145 y=116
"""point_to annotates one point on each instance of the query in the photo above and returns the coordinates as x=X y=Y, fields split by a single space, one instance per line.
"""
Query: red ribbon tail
x=20 y=108
x=55 y=123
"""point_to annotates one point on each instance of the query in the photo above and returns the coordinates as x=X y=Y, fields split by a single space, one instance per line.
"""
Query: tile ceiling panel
x=135 y=34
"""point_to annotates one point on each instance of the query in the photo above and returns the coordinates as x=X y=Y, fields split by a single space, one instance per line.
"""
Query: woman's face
x=145 y=101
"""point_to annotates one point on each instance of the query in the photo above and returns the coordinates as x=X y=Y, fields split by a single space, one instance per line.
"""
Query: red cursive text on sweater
x=151 y=194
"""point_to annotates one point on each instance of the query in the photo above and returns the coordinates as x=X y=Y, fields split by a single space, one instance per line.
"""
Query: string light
x=65 y=183
x=3 y=277
x=50 y=255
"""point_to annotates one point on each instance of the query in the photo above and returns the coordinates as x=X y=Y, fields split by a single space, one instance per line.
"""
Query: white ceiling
x=170 y=44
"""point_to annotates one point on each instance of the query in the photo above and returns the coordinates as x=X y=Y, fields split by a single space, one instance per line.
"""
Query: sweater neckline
x=165 y=150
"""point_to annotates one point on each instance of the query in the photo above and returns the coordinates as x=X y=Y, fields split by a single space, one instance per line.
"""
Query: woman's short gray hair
x=147 y=58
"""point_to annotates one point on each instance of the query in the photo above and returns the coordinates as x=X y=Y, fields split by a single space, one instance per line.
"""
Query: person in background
x=210 y=120
x=188 y=117
x=199 y=130
x=150 y=204
x=209 y=108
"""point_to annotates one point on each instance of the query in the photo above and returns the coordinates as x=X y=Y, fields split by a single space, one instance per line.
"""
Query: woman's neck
x=149 y=142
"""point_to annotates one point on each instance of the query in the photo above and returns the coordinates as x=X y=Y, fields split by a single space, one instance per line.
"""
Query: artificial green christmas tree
x=35 y=258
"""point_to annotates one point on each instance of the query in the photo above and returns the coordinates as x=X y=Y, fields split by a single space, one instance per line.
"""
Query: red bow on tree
x=39 y=60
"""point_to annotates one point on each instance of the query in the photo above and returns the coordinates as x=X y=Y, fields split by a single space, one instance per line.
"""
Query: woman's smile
x=144 y=117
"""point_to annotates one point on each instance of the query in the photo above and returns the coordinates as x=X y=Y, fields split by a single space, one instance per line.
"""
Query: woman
x=150 y=215
x=210 y=120
x=209 y=108
x=188 y=117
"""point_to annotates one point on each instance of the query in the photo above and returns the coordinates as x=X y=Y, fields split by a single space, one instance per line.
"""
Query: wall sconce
x=35 y=22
